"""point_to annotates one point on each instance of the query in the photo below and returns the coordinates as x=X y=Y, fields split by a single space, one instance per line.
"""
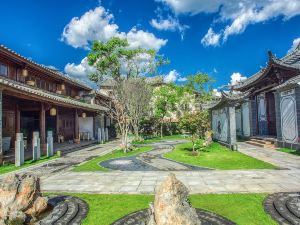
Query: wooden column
x=1 y=150
x=76 y=127
x=57 y=125
x=43 y=127
x=18 y=118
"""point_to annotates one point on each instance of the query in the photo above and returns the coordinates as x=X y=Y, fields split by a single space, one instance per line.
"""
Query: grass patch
x=290 y=151
x=216 y=156
x=244 y=209
x=156 y=139
x=11 y=167
x=93 y=164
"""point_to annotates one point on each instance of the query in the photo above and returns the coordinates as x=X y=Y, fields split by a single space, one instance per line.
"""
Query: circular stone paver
x=151 y=160
x=66 y=210
x=284 y=207
x=141 y=218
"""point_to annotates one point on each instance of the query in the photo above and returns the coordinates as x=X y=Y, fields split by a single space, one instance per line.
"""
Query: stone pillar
x=99 y=137
x=50 y=144
x=19 y=150
x=76 y=127
x=43 y=128
x=36 y=148
x=103 y=134
x=1 y=149
x=231 y=127
x=106 y=134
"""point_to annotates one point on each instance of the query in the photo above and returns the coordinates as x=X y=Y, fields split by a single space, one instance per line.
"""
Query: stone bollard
x=50 y=151
x=103 y=135
x=19 y=150
x=106 y=134
x=36 y=147
x=99 y=137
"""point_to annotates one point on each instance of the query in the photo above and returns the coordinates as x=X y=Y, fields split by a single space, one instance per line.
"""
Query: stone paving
x=151 y=160
x=60 y=165
x=57 y=175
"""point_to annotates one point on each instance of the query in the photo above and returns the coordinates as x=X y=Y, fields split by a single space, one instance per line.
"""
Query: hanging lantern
x=53 y=111
x=24 y=72
x=83 y=115
x=62 y=87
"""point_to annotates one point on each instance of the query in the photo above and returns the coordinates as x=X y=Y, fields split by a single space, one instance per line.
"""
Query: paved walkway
x=61 y=165
x=211 y=181
x=151 y=160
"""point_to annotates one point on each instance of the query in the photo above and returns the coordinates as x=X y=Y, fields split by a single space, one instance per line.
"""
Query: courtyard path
x=208 y=181
x=61 y=165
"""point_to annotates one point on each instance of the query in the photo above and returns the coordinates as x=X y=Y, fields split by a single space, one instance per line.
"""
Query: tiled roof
x=291 y=82
x=59 y=74
x=292 y=60
x=228 y=98
x=24 y=88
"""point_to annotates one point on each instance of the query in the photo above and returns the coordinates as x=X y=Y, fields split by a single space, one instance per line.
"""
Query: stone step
x=258 y=144
x=261 y=141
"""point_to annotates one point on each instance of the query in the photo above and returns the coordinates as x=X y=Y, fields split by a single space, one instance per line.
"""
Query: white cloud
x=79 y=71
x=139 y=38
x=296 y=43
x=98 y=24
x=237 y=15
x=236 y=78
x=169 y=24
x=211 y=38
x=93 y=25
x=216 y=93
x=173 y=76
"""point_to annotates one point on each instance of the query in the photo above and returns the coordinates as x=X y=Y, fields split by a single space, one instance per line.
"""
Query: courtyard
x=165 y=112
x=115 y=191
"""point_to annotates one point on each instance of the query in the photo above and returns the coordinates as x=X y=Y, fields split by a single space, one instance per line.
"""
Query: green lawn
x=290 y=151
x=157 y=139
x=93 y=164
x=216 y=156
x=11 y=167
x=244 y=209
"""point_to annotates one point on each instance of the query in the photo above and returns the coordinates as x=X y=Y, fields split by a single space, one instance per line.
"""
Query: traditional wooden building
x=36 y=98
x=264 y=106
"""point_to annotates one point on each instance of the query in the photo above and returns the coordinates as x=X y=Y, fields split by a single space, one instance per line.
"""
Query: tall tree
x=138 y=93
x=200 y=84
x=114 y=60
x=164 y=102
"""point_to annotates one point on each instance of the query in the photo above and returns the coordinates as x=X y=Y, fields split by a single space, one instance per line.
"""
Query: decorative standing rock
x=20 y=199
x=170 y=205
x=208 y=138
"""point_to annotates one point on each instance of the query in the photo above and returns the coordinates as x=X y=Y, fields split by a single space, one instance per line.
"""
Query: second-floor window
x=3 y=70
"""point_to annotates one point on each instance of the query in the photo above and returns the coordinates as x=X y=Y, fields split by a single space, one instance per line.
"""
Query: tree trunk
x=161 y=130
x=136 y=132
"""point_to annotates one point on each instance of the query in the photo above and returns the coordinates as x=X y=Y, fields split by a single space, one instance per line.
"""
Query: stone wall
x=224 y=125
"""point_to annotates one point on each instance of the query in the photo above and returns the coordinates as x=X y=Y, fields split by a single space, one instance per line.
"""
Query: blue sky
x=219 y=37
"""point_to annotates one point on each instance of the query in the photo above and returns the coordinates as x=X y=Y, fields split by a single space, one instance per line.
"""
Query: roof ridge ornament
x=271 y=56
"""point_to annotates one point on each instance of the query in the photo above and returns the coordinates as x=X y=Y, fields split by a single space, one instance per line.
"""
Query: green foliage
x=216 y=156
x=195 y=123
x=201 y=85
x=290 y=151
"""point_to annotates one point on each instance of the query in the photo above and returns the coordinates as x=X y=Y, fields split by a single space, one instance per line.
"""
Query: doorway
x=271 y=114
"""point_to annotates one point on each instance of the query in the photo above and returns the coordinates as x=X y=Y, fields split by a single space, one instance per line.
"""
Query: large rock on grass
x=170 y=206
x=20 y=199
